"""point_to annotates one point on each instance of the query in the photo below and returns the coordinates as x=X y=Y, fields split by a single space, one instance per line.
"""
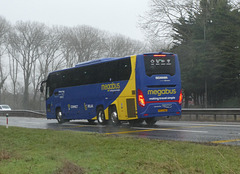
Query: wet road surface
x=204 y=132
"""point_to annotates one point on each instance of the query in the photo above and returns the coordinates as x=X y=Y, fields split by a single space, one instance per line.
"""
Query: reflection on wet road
x=219 y=133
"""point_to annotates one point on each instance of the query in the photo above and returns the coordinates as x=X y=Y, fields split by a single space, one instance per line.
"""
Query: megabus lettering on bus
x=110 y=87
x=162 y=92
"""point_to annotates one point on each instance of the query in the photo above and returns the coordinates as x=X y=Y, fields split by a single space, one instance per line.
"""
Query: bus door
x=158 y=85
x=54 y=95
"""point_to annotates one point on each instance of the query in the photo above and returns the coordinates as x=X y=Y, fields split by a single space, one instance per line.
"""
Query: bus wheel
x=114 y=117
x=59 y=116
x=151 y=121
x=137 y=122
x=101 y=116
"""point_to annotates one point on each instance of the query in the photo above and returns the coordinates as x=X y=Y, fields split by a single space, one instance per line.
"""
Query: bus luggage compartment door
x=127 y=108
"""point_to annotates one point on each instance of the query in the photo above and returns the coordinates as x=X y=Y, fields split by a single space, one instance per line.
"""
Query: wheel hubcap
x=100 y=116
x=59 y=115
x=114 y=117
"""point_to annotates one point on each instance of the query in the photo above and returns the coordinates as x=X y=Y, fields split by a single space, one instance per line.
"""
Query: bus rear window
x=159 y=64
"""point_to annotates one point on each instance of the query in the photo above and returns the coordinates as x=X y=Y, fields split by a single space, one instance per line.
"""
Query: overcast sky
x=115 y=16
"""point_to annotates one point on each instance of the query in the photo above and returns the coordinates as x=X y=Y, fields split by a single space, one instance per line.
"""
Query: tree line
x=206 y=36
x=30 y=50
x=204 y=33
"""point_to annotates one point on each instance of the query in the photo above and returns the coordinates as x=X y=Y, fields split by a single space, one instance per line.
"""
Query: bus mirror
x=41 y=89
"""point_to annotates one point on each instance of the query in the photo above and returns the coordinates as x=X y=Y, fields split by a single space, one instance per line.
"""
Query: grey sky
x=115 y=16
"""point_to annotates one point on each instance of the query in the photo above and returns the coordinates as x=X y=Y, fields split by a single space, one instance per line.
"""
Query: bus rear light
x=159 y=55
x=141 y=99
x=145 y=115
x=180 y=98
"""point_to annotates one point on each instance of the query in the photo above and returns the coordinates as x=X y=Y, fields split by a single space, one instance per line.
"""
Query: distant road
x=204 y=132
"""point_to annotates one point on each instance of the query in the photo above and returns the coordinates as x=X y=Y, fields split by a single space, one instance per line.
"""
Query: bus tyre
x=101 y=116
x=137 y=122
x=114 y=117
x=59 y=116
x=151 y=121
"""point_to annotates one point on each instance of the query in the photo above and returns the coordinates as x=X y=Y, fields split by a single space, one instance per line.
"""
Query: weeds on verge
x=70 y=168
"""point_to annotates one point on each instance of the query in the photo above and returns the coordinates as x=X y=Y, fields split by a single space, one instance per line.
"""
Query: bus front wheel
x=101 y=116
x=59 y=116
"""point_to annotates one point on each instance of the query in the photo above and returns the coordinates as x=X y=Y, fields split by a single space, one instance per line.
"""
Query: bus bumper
x=160 y=110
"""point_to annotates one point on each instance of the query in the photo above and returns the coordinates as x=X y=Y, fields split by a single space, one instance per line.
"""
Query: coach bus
x=132 y=88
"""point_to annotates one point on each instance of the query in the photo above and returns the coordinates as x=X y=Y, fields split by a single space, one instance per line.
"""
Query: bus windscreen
x=159 y=64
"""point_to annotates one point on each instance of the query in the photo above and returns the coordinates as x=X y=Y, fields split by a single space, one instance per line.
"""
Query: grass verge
x=59 y=152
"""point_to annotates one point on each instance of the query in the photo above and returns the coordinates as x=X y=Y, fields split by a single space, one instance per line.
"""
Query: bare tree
x=158 y=21
x=67 y=48
x=86 y=42
x=4 y=27
x=26 y=39
x=14 y=72
x=51 y=59
x=119 y=45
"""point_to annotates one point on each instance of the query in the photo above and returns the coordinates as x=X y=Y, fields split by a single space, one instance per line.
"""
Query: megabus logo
x=162 y=92
x=110 y=87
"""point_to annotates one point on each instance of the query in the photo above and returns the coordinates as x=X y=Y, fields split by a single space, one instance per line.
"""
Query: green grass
x=57 y=152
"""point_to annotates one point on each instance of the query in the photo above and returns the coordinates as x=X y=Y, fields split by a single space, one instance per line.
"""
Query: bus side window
x=111 y=68
x=124 y=69
x=105 y=72
x=88 y=75
x=76 y=74
x=85 y=76
x=101 y=73
x=53 y=83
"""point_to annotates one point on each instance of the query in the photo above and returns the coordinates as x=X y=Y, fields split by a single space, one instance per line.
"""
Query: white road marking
x=171 y=129
x=202 y=124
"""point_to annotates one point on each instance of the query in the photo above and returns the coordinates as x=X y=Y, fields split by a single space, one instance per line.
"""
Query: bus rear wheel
x=101 y=116
x=151 y=121
x=137 y=122
x=114 y=117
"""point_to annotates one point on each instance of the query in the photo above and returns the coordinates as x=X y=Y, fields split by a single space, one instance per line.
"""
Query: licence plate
x=162 y=110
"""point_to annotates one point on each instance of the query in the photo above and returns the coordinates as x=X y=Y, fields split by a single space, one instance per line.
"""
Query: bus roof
x=96 y=61
x=166 y=53
x=101 y=60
